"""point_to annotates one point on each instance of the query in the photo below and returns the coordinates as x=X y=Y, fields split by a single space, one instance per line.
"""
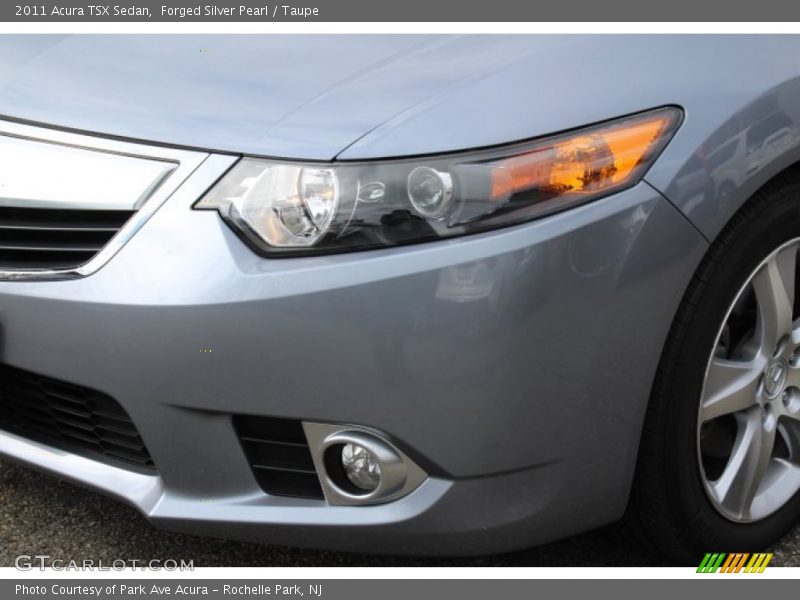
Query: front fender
x=714 y=165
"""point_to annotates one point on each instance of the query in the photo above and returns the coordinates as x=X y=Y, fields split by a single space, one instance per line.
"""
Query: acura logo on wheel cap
x=775 y=378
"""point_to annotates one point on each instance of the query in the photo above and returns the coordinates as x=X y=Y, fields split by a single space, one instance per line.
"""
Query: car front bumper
x=514 y=366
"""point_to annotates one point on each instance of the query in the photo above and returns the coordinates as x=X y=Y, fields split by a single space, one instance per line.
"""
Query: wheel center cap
x=775 y=377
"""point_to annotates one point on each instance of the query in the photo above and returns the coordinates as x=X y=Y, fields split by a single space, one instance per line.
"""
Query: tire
x=676 y=506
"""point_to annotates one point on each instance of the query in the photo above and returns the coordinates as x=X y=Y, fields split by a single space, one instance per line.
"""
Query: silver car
x=408 y=294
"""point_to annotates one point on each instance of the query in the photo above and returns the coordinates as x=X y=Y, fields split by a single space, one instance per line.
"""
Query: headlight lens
x=285 y=208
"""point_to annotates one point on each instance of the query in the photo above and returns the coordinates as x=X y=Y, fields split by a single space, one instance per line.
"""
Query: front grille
x=69 y=417
x=279 y=456
x=43 y=238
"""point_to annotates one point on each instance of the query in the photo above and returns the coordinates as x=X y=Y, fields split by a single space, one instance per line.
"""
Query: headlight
x=284 y=208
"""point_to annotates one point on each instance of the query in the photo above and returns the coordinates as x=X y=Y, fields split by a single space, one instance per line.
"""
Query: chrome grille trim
x=159 y=171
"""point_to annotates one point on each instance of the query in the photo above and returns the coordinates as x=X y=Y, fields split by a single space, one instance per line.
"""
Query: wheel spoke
x=779 y=485
x=789 y=429
x=774 y=287
x=731 y=386
x=737 y=486
x=793 y=376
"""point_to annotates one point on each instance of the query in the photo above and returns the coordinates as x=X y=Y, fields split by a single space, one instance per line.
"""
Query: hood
x=321 y=97
x=306 y=97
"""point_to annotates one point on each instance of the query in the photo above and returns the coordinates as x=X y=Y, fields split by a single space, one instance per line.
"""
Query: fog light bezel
x=399 y=474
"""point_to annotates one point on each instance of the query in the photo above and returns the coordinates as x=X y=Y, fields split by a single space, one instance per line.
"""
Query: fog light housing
x=361 y=467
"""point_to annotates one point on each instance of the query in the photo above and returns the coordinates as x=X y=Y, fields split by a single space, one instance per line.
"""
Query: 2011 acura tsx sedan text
x=403 y=294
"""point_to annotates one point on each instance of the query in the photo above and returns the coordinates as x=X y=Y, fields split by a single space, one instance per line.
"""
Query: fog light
x=361 y=467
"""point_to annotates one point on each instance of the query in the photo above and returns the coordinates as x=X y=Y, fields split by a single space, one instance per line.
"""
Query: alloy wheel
x=748 y=427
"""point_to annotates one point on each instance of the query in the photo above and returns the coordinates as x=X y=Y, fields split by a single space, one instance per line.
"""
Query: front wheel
x=719 y=462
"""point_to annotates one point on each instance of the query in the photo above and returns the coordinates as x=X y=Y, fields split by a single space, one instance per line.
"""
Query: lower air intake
x=69 y=417
x=279 y=456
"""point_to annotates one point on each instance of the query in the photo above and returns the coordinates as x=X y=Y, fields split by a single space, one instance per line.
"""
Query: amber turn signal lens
x=588 y=162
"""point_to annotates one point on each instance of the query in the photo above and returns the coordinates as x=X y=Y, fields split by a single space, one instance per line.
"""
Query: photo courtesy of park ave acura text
x=400 y=299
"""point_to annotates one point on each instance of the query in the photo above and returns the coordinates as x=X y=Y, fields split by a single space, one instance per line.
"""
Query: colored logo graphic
x=739 y=562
